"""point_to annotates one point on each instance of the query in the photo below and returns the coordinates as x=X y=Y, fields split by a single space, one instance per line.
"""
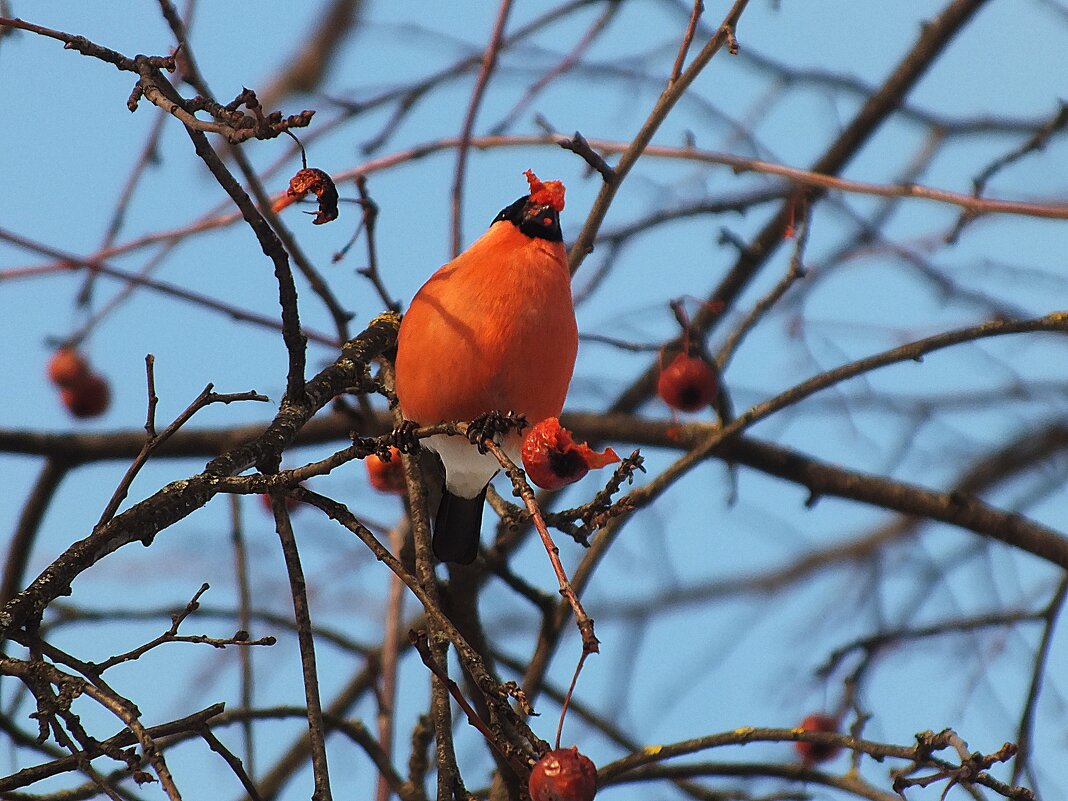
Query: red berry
x=88 y=396
x=386 y=476
x=553 y=459
x=687 y=384
x=291 y=504
x=67 y=366
x=563 y=775
x=813 y=753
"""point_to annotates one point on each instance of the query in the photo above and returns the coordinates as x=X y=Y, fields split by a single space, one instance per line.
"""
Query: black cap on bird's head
x=538 y=214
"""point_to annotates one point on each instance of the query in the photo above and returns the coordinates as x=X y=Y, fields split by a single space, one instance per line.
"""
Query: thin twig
x=795 y=272
x=580 y=146
x=422 y=646
x=84 y=764
x=406 y=98
x=468 y=656
x=894 y=637
x=304 y=69
x=489 y=61
x=117 y=705
x=153 y=399
x=33 y=510
x=340 y=316
x=441 y=629
x=292 y=334
x=72 y=42
x=235 y=764
x=144 y=520
x=921 y=752
x=123 y=739
x=582 y=619
x=687 y=39
x=1053 y=209
x=69 y=261
x=583 y=244
x=932 y=40
x=147 y=156
x=914 y=351
x=301 y=613
x=244 y=623
x=566 y=64
x=1035 y=142
x=205 y=398
x=1025 y=730
x=95 y=669
x=387 y=684
x=371 y=271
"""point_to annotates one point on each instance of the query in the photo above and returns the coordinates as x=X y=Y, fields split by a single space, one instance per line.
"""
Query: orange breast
x=492 y=329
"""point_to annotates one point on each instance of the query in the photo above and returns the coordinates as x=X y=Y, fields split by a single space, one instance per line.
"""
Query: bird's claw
x=404 y=437
x=489 y=425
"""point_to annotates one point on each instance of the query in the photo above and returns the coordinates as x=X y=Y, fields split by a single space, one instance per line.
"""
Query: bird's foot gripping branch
x=494 y=424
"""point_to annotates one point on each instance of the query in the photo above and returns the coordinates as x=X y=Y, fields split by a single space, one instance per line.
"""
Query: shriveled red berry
x=88 y=396
x=386 y=476
x=553 y=459
x=813 y=753
x=563 y=775
x=687 y=383
x=67 y=366
x=549 y=193
x=312 y=179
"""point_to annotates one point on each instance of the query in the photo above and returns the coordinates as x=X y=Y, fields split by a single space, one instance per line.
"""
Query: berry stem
x=567 y=698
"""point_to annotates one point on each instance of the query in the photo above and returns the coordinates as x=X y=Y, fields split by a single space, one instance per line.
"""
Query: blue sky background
x=747 y=659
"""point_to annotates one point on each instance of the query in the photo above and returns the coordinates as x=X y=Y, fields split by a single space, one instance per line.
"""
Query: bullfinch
x=492 y=330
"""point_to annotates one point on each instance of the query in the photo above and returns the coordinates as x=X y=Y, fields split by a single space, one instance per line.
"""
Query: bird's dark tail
x=458 y=527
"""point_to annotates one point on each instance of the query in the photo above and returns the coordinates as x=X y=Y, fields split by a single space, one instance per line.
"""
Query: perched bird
x=492 y=330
